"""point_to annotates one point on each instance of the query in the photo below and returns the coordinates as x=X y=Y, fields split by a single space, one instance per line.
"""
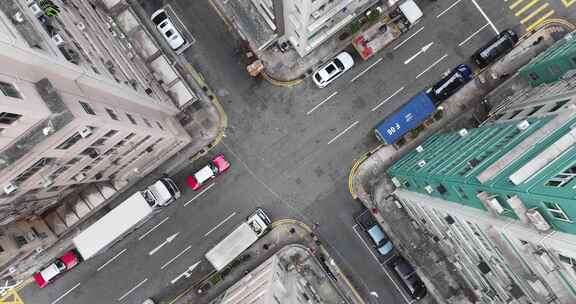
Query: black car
x=450 y=84
x=496 y=48
x=408 y=277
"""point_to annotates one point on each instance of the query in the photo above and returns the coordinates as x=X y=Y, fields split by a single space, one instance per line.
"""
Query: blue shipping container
x=408 y=117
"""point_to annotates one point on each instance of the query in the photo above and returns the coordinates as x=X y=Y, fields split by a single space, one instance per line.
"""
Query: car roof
x=50 y=272
x=221 y=163
x=69 y=259
x=376 y=234
x=204 y=174
x=346 y=60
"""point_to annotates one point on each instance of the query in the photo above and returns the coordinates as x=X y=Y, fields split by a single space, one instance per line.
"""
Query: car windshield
x=497 y=45
x=159 y=18
x=61 y=266
x=339 y=64
x=331 y=68
x=169 y=33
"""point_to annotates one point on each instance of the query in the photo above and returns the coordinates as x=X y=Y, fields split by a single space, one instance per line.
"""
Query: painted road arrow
x=168 y=240
x=424 y=49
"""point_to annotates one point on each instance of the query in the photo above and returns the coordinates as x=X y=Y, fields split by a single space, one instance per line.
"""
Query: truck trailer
x=125 y=217
x=239 y=240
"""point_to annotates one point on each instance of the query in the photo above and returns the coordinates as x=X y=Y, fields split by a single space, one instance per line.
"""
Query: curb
x=355 y=166
x=281 y=83
x=215 y=101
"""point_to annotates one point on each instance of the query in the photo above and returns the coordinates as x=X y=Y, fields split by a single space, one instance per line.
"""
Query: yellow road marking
x=535 y=24
x=515 y=4
x=567 y=3
x=534 y=13
x=526 y=7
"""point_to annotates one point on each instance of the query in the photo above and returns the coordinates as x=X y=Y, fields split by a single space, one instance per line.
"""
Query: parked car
x=167 y=29
x=333 y=69
x=214 y=168
x=382 y=244
x=408 y=277
x=450 y=83
x=64 y=263
x=496 y=48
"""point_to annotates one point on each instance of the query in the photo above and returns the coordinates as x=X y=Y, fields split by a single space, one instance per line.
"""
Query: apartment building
x=500 y=198
x=306 y=24
x=70 y=113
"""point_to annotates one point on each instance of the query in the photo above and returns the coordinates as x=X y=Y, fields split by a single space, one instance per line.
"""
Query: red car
x=64 y=263
x=218 y=165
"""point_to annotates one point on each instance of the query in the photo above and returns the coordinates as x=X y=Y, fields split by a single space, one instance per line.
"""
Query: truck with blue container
x=408 y=117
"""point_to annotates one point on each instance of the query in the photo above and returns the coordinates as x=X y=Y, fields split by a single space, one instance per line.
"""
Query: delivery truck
x=233 y=245
x=408 y=117
x=125 y=217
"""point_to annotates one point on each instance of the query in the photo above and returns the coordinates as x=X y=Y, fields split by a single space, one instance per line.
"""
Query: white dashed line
x=131 y=290
x=110 y=260
x=177 y=256
x=152 y=229
x=451 y=6
x=389 y=97
x=220 y=224
x=432 y=65
x=342 y=133
x=65 y=294
x=473 y=34
x=201 y=192
x=366 y=70
x=323 y=101
x=406 y=40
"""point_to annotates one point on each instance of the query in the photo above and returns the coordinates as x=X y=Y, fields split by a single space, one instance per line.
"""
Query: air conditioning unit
x=523 y=125
x=495 y=205
x=81 y=26
x=58 y=39
x=463 y=132
x=419 y=149
x=316 y=14
x=39 y=250
x=429 y=189
x=36 y=10
x=12 y=270
x=113 y=33
x=396 y=182
x=30 y=236
x=129 y=45
x=48 y=130
x=80 y=176
x=421 y=163
x=85 y=132
x=18 y=17
x=538 y=220
x=10 y=187
x=47 y=183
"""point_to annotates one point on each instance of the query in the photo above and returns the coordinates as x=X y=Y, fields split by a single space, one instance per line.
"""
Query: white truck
x=125 y=217
x=239 y=240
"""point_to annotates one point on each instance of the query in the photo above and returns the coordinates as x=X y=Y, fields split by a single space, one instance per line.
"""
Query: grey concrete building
x=74 y=109
x=306 y=24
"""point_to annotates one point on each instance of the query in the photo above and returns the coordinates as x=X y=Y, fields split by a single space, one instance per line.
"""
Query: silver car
x=167 y=29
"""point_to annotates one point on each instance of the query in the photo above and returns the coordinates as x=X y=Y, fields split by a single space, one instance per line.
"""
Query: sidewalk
x=469 y=107
x=280 y=66
x=287 y=239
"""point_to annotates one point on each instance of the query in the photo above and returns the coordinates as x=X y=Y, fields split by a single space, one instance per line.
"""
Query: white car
x=333 y=69
x=167 y=29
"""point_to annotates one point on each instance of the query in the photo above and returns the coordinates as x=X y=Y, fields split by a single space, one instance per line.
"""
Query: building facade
x=500 y=198
x=68 y=117
x=551 y=65
x=306 y=24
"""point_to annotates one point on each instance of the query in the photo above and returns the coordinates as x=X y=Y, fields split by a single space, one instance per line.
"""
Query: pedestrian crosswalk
x=533 y=12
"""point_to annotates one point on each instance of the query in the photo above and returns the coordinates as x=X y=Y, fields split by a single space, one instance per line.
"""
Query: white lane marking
x=112 y=259
x=65 y=294
x=131 y=290
x=177 y=256
x=366 y=70
x=405 y=40
x=342 y=133
x=381 y=266
x=485 y=17
x=432 y=65
x=422 y=50
x=168 y=240
x=220 y=224
x=323 y=101
x=185 y=273
x=473 y=34
x=153 y=228
x=201 y=192
x=451 y=6
x=389 y=97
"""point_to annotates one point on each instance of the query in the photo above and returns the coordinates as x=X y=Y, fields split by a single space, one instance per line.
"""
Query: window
x=160 y=125
x=555 y=70
x=100 y=141
x=461 y=192
x=132 y=120
x=129 y=136
x=514 y=114
x=87 y=108
x=556 y=211
x=112 y=114
x=566 y=259
x=533 y=76
x=74 y=160
x=9 y=90
x=147 y=122
x=558 y=105
x=9 y=118
x=70 y=141
x=534 y=110
x=111 y=133
x=39 y=164
x=562 y=178
x=20 y=241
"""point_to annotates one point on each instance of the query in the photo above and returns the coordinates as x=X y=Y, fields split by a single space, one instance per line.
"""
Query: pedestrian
x=316 y=225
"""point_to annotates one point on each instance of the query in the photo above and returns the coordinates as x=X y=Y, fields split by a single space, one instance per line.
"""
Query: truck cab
x=259 y=222
x=163 y=192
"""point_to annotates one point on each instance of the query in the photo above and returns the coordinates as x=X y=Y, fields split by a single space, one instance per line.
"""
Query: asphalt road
x=291 y=151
